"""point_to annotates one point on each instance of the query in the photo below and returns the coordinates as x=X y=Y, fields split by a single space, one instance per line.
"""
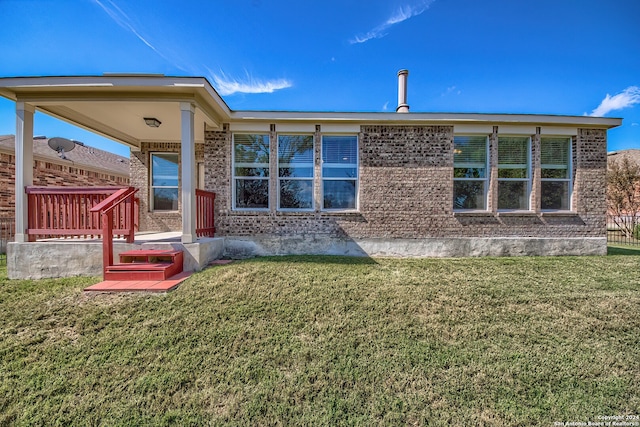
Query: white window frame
x=356 y=208
x=312 y=178
x=153 y=187
x=234 y=178
x=569 y=178
x=201 y=173
x=528 y=179
x=486 y=173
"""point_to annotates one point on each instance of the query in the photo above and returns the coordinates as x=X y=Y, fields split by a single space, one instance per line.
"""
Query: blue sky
x=568 y=57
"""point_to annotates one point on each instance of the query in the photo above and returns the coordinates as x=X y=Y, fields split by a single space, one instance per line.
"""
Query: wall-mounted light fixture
x=152 y=122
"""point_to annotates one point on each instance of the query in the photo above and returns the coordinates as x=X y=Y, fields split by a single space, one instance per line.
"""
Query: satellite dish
x=61 y=145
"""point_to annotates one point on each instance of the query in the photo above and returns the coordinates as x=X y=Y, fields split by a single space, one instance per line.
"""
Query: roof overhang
x=426 y=118
x=115 y=105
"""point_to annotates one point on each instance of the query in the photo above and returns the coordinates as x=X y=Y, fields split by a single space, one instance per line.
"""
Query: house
x=379 y=184
x=632 y=153
x=82 y=166
x=623 y=216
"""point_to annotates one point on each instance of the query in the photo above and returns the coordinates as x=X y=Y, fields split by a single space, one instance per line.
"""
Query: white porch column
x=188 y=160
x=24 y=165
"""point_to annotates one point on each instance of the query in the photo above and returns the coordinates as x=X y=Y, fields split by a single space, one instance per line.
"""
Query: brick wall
x=405 y=191
x=47 y=173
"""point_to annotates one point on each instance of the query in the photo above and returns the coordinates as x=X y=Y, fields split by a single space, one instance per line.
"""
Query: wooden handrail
x=70 y=190
x=105 y=208
x=113 y=200
x=66 y=212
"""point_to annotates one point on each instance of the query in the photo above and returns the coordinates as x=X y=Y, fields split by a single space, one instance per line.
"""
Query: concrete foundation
x=40 y=260
x=242 y=247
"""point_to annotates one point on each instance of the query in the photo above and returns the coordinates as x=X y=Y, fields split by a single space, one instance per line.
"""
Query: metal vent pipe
x=403 y=107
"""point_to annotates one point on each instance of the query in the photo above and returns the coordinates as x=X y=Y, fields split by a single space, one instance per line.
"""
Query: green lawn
x=331 y=341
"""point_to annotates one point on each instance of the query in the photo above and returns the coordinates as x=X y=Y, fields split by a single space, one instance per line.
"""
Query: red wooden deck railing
x=67 y=212
x=98 y=212
x=109 y=210
x=204 y=213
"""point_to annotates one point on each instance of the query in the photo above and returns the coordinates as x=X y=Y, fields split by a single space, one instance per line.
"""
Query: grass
x=620 y=249
x=331 y=341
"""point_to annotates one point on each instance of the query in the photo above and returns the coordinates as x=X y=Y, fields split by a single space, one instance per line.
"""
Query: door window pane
x=164 y=181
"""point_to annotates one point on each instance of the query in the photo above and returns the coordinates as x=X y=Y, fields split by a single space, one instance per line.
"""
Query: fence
x=623 y=230
x=7 y=230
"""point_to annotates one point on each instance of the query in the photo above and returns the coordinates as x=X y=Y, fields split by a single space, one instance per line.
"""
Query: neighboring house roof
x=633 y=154
x=82 y=156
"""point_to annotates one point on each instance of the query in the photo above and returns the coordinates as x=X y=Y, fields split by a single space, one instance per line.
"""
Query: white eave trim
x=211 y=102
x=32 y=87
x=428 y=118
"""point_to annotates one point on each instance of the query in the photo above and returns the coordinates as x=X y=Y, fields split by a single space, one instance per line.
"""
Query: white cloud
x=400 y=15
x=224 y=85
x=627 y=98
x=124 y=21
x=451 y=90
x=385 y=106
x=227 y=86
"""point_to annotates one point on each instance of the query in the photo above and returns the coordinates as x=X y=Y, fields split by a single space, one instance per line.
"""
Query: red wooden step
x=139 y=285
x=141 y=266
x=146 y=264
x=151 y=255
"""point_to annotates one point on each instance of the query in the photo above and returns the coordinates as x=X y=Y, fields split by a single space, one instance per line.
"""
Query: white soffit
x=558 y=131
x=295 y=127
x=516 y=130
x=340 y=128
x=250 y=127
x=124 y=121
x=473 y=129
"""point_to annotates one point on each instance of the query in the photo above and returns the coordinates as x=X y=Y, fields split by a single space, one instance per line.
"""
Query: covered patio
x=129 y=109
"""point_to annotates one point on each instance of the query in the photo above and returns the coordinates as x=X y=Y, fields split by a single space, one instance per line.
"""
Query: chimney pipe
x=403 y=107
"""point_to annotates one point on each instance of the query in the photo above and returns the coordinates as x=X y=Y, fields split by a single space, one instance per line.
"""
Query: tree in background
x=623 y=195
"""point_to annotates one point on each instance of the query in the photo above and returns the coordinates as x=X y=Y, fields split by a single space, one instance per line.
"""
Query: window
x=295 y=172
x=339 y=172
x=164 y=182
x=470 y=172
x=555 y=165
x=513 y=173
x=250 y=171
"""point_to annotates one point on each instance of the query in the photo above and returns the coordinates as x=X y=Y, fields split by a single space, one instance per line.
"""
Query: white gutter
x=427 y=118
